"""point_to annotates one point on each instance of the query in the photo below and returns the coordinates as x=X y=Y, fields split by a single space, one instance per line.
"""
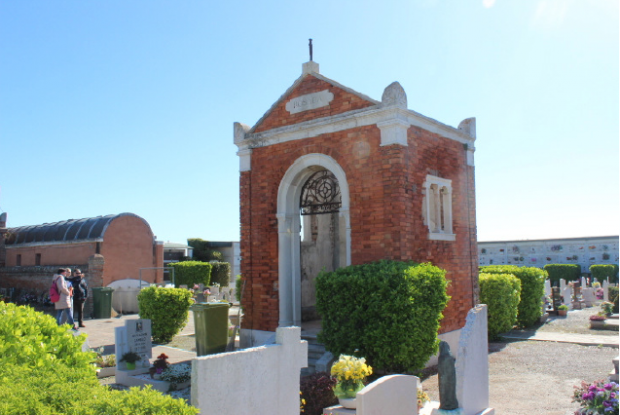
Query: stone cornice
x=352 y=119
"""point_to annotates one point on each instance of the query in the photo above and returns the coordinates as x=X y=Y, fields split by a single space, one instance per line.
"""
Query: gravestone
x=606 y=290
x=135 y=336
x=472 y=366
x=567 y=294
x=588 y=296
x=583 y=282
x=547 y=288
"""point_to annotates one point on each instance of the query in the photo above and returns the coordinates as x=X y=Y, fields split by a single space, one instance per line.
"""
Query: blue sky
x=128 y=106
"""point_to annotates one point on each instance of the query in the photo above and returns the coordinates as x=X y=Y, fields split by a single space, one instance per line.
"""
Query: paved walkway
x=583 y=339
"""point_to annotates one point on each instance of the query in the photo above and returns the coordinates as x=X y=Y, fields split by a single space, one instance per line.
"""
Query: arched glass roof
x=71 y=230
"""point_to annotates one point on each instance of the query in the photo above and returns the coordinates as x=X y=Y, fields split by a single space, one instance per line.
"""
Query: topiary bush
x=567 y=272
x=168 y=310
x=42 y=366
x=386 y=311
x=220 y=273
x=238 y=288
x=317 y=392
x=532 y=290
x=191 y=272
x=601 y=272
x=502 y=294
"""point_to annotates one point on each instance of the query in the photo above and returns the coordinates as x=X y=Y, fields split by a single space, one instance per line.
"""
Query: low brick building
x=106 y=248
x=372 y=180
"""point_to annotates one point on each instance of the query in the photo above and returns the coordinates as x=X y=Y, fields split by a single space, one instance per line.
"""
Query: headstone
x=389 y=395
x=547 y=288
x=266 y=378
x=567 y=294
x=589 y=297
x=606 y=290
x=583 y=282
x=135 y=336
x=472 y=366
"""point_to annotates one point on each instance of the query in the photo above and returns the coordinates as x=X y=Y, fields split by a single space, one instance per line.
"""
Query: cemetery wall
x=584 y=251
x=386 y=201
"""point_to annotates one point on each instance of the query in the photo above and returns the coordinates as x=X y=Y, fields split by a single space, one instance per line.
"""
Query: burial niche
x=320 y=202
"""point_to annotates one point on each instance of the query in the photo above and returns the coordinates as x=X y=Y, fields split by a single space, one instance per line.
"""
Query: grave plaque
x=139 y=336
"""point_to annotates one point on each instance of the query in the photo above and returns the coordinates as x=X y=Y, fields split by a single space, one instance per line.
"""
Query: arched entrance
x=308 y=167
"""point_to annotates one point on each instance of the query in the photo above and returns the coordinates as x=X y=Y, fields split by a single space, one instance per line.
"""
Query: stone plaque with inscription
x=309 y=102
x=139 y=336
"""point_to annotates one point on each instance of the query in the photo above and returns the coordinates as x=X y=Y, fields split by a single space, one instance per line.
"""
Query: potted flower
x=607 y=307
x=159 y=365
x=562 y=310
x=130 y=358
x=350 y=372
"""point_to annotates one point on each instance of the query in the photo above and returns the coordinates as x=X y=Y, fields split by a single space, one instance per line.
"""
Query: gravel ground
x=576 y=321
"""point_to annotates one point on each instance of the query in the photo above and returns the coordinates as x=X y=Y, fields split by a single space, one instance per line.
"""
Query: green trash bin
x=102 y=302
x=211 y=327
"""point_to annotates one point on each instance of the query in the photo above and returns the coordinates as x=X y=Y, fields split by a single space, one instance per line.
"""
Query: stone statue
x=447 y=378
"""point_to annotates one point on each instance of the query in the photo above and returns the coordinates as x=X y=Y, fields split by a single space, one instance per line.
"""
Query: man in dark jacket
x=80 y=294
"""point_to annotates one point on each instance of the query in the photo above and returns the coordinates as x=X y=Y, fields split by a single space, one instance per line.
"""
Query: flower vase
x=346 y=392
x=349 y=403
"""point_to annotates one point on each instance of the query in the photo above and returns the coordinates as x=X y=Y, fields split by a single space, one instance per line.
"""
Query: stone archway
x=289 y=224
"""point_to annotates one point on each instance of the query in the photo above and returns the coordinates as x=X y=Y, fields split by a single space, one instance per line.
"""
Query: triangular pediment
x=312 y=96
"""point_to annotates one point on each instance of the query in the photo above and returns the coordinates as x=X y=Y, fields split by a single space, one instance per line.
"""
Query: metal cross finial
x=310 y=47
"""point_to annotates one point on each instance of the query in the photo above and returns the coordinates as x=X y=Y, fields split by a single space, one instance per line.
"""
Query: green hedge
x=502 y=294
x=44 y=371
x=532 y=290
x=168 y=310
x=220 y=273
x=613 y=297
x=601 y=272
x=385 y=311
x=566 y=272
x=191 y=272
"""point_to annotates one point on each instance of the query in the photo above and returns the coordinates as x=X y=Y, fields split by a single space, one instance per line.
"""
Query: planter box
x=602 y=325
x=104 y=372
x=140 y=377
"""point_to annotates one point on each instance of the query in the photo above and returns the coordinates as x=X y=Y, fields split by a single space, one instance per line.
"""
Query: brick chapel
x=330 y=177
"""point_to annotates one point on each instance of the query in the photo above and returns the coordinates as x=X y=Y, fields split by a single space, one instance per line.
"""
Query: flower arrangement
x=159 y=365
x=350 y=372
x=422 y=398
x=597 y=317
x=130 y=357
x=563 y=307
x=598 y=398
x=177 y=373
x=607 y=307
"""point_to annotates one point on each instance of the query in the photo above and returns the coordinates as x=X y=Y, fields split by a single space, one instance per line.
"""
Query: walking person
x=63 y=306
x=80 y=295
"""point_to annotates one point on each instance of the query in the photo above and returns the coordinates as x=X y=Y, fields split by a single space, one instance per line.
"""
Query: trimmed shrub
x=168 y=310
x=567 y=272
x=42 y=366
x=220 y=273
x=386 y=311
x=601 y=272
x=317 y=392
x=191 y=272
x=238 y=288
x=502 y=294
x=532 y=290
x=613 y=297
